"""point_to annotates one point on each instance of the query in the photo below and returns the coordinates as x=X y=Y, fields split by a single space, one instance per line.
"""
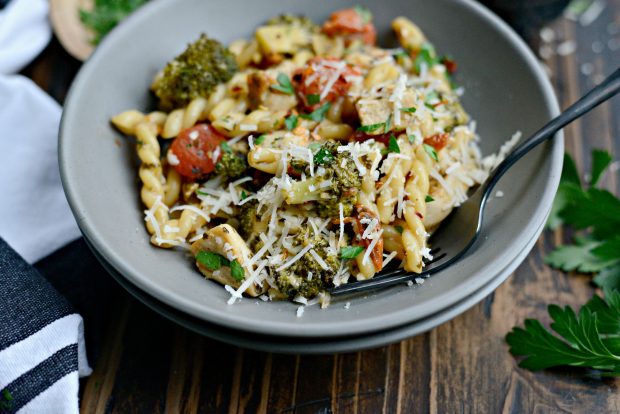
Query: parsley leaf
x=364 y=14
x=600 y=162
x=579 y=257
x=236 y=270
x=225 y=147
x=350 y=252
x=284 y=84
x=426 y=56
x=393 y=145
x=608 y=278
x=371 y=127
x=259 y=140
x=428 y=199
x=388 y=124
x=399 y=229
x=431 y=152
x=410 y=110
x=323 y=156
x=317 y=115
x=313 y=99
x=211 y=261
x=583 y=340
x=291 y=122
x=244 y=195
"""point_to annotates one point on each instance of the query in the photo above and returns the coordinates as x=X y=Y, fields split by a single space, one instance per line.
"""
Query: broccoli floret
x=231 y=165
x=251 y=224
x=343 y=183
x=294 y=280
x=194 y=73
x=293 y=20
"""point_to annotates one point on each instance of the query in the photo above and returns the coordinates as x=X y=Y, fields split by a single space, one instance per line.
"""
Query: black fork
x=458 y=232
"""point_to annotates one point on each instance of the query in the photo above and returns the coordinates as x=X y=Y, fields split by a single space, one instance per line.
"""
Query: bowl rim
x=367 y=324
x=331 y=345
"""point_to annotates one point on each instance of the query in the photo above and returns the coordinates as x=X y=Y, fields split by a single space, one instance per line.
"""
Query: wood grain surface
x=145 y=363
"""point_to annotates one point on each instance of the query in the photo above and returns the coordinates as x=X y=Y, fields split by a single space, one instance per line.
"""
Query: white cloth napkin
x=24 y=32
x=42 y=351
x=34 y=215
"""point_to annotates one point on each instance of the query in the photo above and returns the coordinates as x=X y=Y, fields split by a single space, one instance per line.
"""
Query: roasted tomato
x=449 y=64
x=437 y=141
x=376 y=255
x=354 y=23
x=195 y=151
x=318 y=73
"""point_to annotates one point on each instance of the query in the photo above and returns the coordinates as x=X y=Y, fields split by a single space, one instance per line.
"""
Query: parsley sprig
x=106 y=14
x=589 y=338
x=595 y=214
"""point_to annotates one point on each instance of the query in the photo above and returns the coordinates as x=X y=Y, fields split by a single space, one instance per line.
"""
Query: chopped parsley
x=319 y=114
x=371 y=127
x=313 y=99
x=431 y=152
x=211 y=261
x=291 y=122
x=323 y=156
x=428 y=199
x=259 y=140
x=236 y=270
x=393 y=145
x=400 y=53
x=284 y=84
x=350 y=252
x=388 y=123
x=399 y=229
x=244 y=195
x=215 y=261
x=410 y=110
x=225 y=147
x=426 y=56
x=364 y=13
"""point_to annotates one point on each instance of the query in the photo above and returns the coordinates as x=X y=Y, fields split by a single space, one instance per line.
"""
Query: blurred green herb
x=106 y=14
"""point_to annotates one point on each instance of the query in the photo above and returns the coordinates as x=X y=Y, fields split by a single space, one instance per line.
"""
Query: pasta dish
x=305 y=157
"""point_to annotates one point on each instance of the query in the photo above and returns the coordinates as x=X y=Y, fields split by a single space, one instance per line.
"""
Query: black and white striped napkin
x=42 y=351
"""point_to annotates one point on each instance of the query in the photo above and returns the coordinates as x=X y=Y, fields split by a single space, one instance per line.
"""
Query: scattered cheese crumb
x=499 y=194
x=300 y=311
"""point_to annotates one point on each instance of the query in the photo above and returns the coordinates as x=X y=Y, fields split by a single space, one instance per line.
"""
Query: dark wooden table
x=145 y=363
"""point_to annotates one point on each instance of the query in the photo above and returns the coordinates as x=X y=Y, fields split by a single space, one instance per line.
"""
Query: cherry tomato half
x=195 y=151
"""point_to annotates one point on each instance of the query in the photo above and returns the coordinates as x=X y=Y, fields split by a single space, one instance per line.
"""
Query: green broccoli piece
x=294 y=20
x=295 y=279
x=251 y=224
x=231 y=165
x=194 y=73
x=340 y=173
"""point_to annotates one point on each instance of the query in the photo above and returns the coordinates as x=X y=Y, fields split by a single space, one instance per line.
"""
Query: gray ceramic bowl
x=506 y=91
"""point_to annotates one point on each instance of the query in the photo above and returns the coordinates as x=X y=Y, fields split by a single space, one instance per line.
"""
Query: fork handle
x=599 y=94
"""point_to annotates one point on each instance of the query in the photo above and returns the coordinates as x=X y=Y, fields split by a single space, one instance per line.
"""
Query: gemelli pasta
x=305 y=157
